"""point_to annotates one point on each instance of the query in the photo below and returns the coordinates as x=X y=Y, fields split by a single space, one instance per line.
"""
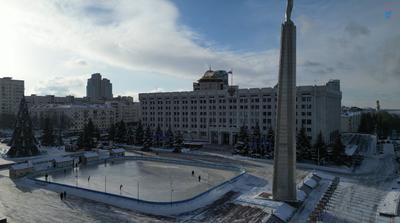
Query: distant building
x=51 y=99
x=350 y=121
x=11 y=93
x=125 y=109
x=76 y=116
x=214 y=111
x=98 y=89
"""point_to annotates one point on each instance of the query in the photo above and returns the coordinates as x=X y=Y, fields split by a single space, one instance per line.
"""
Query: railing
x=174 y=206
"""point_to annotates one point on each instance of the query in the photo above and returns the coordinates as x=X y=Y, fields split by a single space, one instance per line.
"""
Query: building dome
x=218 y=74
x=208 y=74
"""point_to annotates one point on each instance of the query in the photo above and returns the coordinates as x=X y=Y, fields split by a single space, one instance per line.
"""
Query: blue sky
x=165 y=45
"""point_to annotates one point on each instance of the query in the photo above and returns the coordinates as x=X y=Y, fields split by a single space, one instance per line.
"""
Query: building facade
x=75 y=116
x=125 y=109
x=11 y=93
x=51 y=99
x=98 y=88
x=350 y=121
x=214 y=111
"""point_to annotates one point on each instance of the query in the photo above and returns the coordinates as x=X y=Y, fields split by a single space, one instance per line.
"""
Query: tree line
x=381 y=123
x=252 y=143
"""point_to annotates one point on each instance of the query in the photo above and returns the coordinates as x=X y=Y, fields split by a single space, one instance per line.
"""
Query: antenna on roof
x=231 y=72
x=209 y=67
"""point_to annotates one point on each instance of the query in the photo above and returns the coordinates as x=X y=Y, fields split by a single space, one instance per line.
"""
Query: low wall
x=150 y=207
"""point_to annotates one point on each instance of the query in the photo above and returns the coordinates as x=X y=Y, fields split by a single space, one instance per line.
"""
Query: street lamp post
x=138 y=191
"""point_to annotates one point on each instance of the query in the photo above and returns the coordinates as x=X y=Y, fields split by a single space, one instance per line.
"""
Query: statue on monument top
x=289 y=8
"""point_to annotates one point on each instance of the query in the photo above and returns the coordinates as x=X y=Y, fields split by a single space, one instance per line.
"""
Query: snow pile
x=301 y=195
x=389 y=205
x=90 y=154
x=118 y=150
x=310 y=182
x=351 y=149
x=62 y=159
x=21 y=166
x=284 y=212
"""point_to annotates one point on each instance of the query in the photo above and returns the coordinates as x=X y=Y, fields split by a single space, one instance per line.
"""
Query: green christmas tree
x=23 y=142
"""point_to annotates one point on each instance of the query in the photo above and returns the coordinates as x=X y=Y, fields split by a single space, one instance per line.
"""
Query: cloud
x=61 y=86
x=356 y=30
x=148 y=36
x=130 y=35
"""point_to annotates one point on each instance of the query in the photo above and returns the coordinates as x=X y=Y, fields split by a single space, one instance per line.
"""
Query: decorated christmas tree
x=23 y=142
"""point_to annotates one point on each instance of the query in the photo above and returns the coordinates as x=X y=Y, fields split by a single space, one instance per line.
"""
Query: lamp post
x=138 y=191
x=172 y=190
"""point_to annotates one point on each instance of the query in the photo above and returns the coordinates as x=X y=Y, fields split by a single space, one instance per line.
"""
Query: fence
x=151 y=207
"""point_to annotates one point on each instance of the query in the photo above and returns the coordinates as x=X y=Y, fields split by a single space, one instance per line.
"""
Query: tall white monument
x=284 y=182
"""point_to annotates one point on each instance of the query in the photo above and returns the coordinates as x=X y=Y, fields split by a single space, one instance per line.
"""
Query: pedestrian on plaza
x=61 y=196
x=192 y=172
x=88 y=179
x=199 y=178
x=46 y=176
x=65 y=195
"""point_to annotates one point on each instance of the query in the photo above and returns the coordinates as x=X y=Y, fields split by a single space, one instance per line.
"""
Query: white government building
x=214 y=111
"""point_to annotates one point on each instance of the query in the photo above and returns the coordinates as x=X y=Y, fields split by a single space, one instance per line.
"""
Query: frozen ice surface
x=156 y=180
x=21 y=205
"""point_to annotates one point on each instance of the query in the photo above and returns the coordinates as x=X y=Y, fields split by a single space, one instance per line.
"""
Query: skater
x=199 y=178
x=65 y=195
x=192 y=172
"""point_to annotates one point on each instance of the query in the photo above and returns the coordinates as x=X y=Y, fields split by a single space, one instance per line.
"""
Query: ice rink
x=146 y=180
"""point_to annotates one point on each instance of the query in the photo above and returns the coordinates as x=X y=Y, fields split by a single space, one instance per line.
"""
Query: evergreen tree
x=23 y=142
x=169 y=138
x=148 y=136
x=60 y=141
x=243 y=136
x=86 y=139
x=178 y=142
x=139 y=134
x=303 y=145
x=111 y=133
x=120 y=134
x=48 y=137
x=319 y=149
x=271 y=140
x=243 y=140
x=338 y=149
x=158 y=136
x=256 y=138
x=367 y=123
x=130 y=137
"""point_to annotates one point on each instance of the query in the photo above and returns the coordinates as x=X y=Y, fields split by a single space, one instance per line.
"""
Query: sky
x=166 y=45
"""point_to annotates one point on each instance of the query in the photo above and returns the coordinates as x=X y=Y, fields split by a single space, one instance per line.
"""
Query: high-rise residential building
x=98 y=89
x=11 y=93
x=214 y=111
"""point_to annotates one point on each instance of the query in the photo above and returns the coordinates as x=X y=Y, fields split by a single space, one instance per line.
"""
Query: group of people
x=63 y=195
x=198 y=177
